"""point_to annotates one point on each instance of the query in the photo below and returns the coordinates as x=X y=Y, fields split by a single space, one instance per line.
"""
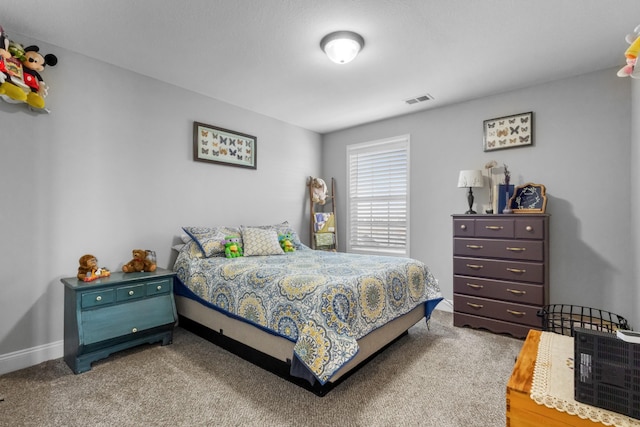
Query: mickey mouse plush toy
x=33 y=63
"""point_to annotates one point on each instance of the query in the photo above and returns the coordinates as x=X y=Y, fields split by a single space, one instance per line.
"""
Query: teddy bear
x=89 y=270
x=232 y=247
x=318 y=191
x=140 y=262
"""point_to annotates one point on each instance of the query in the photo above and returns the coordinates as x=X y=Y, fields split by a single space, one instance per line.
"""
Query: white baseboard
x=445 y=305
x=31 y=356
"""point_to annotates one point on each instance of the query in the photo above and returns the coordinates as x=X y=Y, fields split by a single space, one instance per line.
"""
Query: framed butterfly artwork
x=223 y=146
x=508 y=132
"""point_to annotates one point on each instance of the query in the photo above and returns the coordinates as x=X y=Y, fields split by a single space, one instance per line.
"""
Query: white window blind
x=378 y=202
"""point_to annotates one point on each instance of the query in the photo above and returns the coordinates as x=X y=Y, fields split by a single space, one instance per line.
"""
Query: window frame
x=402 y=142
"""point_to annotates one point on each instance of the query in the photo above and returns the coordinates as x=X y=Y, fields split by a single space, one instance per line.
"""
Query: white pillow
x=258 y=241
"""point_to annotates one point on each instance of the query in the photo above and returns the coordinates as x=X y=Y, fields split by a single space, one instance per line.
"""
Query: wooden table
x=522 y=411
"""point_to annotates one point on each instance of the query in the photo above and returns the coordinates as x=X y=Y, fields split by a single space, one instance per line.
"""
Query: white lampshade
x=470 y=178
x=342 y=46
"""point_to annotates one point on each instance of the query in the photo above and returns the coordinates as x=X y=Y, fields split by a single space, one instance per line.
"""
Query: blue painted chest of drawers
x=116 y=313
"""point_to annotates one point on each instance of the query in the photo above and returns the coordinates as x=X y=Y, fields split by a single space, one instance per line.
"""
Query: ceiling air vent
x=417 y=99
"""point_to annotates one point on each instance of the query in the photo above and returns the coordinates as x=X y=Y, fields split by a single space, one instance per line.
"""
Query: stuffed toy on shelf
x=631 y=54
x=89 y=270
x=143 y=260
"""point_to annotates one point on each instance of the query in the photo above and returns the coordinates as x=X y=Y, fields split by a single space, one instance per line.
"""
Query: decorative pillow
x=283 y=228
x=209 y=239
x=259 y=241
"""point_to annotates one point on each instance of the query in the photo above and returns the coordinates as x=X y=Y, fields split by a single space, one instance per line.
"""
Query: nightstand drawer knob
x=134 y=330
x=528 y=228
x=130 y=293
x=463 y=227
x=98 y=298
x=159 y=287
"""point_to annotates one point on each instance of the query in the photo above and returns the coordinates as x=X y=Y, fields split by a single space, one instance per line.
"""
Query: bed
x=310 y=316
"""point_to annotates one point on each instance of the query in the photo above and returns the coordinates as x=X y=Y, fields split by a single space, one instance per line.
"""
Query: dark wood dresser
x=500 y=271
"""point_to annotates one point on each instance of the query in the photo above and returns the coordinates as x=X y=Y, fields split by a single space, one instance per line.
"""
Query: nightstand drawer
x=98 y=298
x=496 y=269
x=158 y=287
x=510 y=312
x=127 y=293
x=523 y=293
x=124 y=319
x=527 y=250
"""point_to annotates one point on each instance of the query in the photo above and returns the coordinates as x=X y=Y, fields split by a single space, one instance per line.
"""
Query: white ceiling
x=264 y=55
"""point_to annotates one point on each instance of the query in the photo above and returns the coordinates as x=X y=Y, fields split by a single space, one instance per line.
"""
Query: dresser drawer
x=501 y=310
x=527 y=250
x=523 y=293
x=497 y=228
x=463 y=227
x=124 y=319
x=529 y=228
x=127 y=293
x=519 y=271
x=158 y=287
x=97 y=298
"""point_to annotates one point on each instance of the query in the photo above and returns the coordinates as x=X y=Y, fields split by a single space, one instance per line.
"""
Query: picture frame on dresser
x=529 y=198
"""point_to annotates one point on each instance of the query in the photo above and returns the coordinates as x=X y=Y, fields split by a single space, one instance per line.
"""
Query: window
x=378 y=197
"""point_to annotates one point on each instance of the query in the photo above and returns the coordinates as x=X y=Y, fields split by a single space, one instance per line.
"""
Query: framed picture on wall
x=508 y=132
x=217 y=145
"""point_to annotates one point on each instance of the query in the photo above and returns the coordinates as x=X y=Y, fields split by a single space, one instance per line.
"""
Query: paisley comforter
x=321 y=301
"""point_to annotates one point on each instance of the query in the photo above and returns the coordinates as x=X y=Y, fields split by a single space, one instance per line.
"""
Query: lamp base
x=470 y=201
x=470 y=211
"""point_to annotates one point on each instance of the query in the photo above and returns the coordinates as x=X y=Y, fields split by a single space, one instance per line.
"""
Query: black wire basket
x=562 y=318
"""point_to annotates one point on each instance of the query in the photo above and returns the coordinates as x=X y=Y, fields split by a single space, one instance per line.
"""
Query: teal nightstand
x=116 y=313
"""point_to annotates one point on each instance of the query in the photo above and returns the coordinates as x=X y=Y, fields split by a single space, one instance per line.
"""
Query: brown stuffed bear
x=89 y=270
x=139 y=262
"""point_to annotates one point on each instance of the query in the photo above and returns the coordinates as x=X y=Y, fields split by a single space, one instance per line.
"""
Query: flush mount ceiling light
x=342 y=46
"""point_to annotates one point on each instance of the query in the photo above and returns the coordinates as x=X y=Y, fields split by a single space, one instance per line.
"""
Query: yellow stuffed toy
x=631 y=54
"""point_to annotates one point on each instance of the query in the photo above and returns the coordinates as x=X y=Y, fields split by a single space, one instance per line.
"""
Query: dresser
x=115 y=313
x=500 y=271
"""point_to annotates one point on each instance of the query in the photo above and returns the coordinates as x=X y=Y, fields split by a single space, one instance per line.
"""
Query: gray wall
x=111 y=169
x=581 y=153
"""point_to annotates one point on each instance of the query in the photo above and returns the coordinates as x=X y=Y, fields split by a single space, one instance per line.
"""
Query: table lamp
x=470 y=178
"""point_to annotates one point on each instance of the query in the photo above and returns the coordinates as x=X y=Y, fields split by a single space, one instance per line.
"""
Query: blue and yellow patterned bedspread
x=322 y=301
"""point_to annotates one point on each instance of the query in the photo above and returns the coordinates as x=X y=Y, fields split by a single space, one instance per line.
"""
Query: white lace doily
x=555 y=360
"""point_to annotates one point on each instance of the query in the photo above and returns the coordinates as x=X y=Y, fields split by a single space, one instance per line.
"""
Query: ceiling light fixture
x=342 y=46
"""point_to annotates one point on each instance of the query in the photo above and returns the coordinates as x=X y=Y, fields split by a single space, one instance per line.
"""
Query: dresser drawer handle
x=516 y=249
x=131 y=293
x=516 y=313
x=474 y=286
x=475 y=266
x=528 y=228
x=493 y=227
x=475 y=246
x=475 y=305
x=159 y=287
x=516 y=270
x=98 y=298
x=134 y=330
x=463 y=227
x=516 y=291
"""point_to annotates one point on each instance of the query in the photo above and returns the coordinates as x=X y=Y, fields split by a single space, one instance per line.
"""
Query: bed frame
x=272 y=352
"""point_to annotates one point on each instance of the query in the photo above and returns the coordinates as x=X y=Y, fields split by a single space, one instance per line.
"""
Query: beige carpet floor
x=438 y=376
